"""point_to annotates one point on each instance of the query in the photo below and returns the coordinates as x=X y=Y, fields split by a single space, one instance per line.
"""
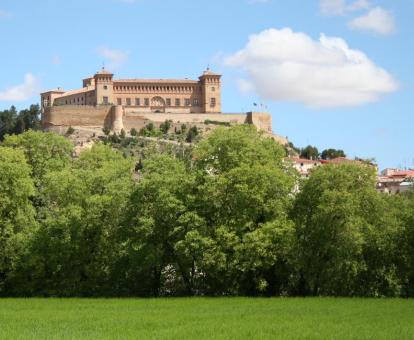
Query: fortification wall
x=262 y=120
x=77 y=115
x=58 y=118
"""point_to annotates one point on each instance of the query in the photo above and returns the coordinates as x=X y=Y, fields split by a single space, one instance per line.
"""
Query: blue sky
x=356 y=93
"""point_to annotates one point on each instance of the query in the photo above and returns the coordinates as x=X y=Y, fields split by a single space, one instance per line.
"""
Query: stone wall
x=77 y=115
x=117 y=118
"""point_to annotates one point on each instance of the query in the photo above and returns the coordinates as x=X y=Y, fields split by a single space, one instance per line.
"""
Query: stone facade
x=133 y=103
x=143 y=95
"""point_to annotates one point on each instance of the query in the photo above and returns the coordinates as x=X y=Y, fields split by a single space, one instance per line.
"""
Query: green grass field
x=207 y=318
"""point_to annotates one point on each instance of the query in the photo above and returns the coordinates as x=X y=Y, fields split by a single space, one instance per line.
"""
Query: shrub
x=123 y=134
x=165 y=127
x=106 y=130
x=70 y=131
x=192 y=133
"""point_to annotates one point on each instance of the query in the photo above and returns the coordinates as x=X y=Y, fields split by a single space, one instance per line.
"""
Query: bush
x=216 y=122
x=165 y=127
x=192 y=133
x=106 y=130
x=70 y=131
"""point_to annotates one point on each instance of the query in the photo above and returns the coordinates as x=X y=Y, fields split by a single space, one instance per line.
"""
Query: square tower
x=211 y=91
x=104 y=87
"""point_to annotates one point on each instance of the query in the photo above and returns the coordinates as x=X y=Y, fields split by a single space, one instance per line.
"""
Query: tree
x=75 y=251
x=12 y=122
x=122 y=135
x=340 y=224
x=165 y=127
x=310 y=152
x=244 y=198
x=159 y=219
x=28 y=119
x=134 y=132
x=7 y=122
x=227 y=148
x=191 y=134
x=44 y=151
x=106 y=130
x=17 y=216
x=332 y=154
x=404 y=206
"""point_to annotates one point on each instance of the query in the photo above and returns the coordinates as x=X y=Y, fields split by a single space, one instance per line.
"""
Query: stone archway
x=157 y=104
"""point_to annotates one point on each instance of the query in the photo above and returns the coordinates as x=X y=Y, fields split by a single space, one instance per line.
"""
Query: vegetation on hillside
x=219 y=217
x=13 y=122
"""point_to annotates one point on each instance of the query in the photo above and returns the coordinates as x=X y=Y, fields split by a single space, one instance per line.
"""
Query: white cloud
x=29 y=88
x=341 y=7
x=377 y=20
x=116 y=58
x=283 y=65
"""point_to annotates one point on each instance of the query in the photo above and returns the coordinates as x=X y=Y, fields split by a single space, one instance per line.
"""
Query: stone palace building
x=133 y=103
x=144 y=95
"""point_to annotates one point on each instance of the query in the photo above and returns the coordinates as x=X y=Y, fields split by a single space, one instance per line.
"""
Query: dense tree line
x=13 y=122
x=312 y=152
x=225 y=218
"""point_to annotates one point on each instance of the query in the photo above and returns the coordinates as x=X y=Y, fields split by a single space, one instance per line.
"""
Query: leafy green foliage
x=16 y=211
x=44 y=151
x=106 y=130
x=224 y=216
x=165 y=127
x=332 y=154
x=70 y=131
x=191 y=134
x=12 y=122
x=342 y=230
x=216 y=122
x=310 y=152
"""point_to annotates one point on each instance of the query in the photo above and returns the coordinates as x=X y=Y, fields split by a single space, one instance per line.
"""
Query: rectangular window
x=105 y=87
x=146 y=102
x=195 y=102
x=177 y=102
x=128 y=101
x=168 y=102
x=105 y=100
x=212 y=102
x=187 y=102
x=137 y=102
x=119 y=101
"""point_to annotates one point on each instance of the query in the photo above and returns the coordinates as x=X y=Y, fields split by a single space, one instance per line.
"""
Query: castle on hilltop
x=144 y=95
x=132 y=103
